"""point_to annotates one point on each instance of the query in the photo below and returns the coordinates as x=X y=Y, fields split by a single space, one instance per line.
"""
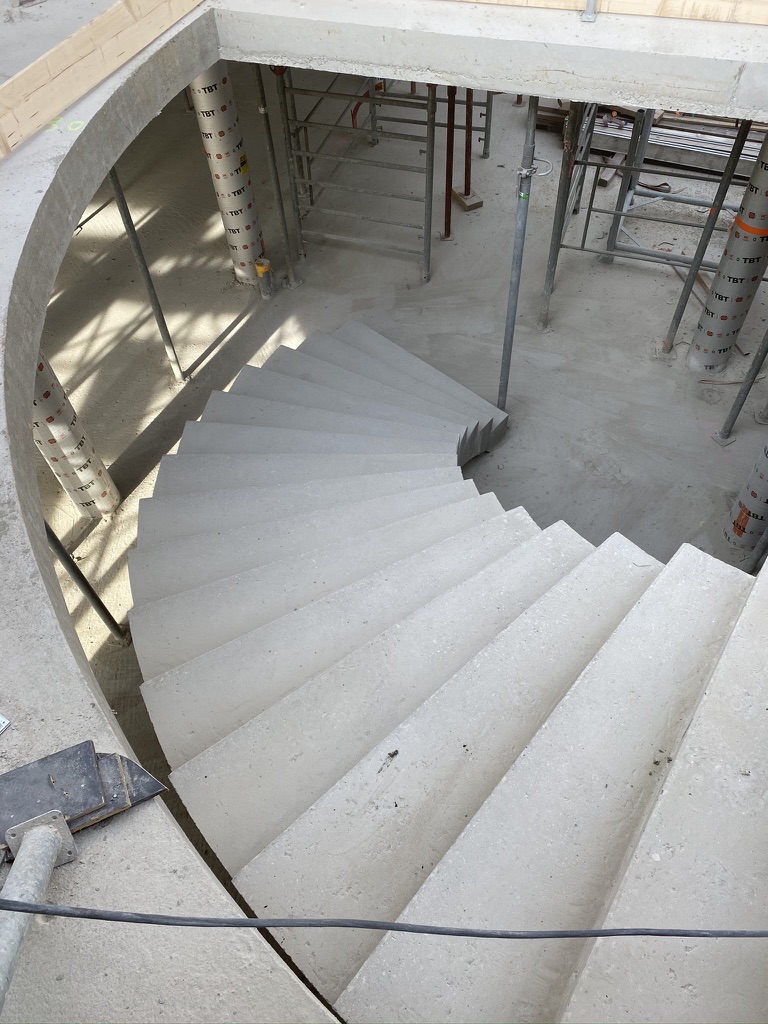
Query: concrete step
x=365 y=339
x=225 y=407
x=263 y=383
x=192 y=474
x=217 y=438
x=298 y=364
x=177 y=516
x=176 y=629
x=340 y=354
x=313 y=736
x=699 y=863
x=175 y=565
x=365 y=847
x=547 y=848
x=201 y=702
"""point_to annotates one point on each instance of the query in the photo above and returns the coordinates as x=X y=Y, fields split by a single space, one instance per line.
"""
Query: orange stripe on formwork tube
x=748 y=227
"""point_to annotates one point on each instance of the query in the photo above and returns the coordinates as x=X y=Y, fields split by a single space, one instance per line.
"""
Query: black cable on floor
x=126 y=917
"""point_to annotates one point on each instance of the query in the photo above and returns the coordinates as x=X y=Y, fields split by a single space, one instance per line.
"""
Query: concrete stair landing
x=383 y=696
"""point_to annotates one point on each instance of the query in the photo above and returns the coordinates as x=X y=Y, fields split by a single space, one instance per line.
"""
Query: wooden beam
x=741 y=12
x=31 y=99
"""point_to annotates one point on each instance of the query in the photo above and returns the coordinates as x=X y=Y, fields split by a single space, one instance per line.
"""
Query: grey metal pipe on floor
x=706 y=234
x=525 y=173
x=27 y=881
x=146 y=277
x=738 y=277
x=293 y=280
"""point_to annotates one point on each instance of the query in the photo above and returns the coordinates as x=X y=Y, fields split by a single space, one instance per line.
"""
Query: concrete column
x=68 y=449
x=749 y=516
x=738 y=277
x=228 y=163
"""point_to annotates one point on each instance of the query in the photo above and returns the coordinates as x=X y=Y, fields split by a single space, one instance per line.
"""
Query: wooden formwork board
x=742 y=12
x=35 y=96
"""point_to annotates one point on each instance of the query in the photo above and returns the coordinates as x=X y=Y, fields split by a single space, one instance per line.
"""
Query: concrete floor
x=604 y=434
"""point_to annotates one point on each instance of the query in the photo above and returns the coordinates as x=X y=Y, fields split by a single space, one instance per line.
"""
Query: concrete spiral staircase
x=382 y=695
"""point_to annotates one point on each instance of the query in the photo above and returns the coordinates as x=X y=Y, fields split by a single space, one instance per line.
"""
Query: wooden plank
x=741 y=12
x=32 y=98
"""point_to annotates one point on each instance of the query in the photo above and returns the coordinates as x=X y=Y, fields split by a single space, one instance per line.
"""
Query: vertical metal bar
x=584 y=144
x=293 y=280
x=372 y=105
x=626 y=181
x=590 y=205
x=525 y=174
x=295 y=133
x=759 y=551
x=83 y=585
x=279 y=73
x=724 y=433
x=468 y=143
x=141 y=263
x=717 y=204
x=575 y=115
x=488 y=119
x=450 y=138
x=27 y=882
x=429 y=180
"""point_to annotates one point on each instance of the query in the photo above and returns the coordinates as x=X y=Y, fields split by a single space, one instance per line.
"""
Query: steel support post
x=488 y=120
x=449 y=141
x=723 y=435
x=27 y=882
x=373 y=114
x=706 y=235
x=468 y=144
x=525 y=174
x=293 y=280
x=738 y=277
x=304 y=171
x=146 y=277
x=429 y=182
x=752 y=563
x=73 y=570
x=575 y=117
x=279 y=73
x=641 y=130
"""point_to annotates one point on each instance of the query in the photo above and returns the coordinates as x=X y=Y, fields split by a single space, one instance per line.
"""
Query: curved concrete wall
x=48 y=690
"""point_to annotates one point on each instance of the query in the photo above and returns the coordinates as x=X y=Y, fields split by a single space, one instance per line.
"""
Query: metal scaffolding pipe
x=747 y=519
x=488 y=122
x=146 y=277
x=741 y=269
x=228 y=163
x=279 y=73
x=429 y=182
x=638 y=142
x=450 y=138
x=575 y=117
x=468 y=145
x=524 y=175
x=723 y=435
x=67 y=447
x=293 y=280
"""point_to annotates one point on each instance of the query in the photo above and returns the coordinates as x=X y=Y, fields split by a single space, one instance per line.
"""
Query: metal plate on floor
x=68 y=781
x=125 y=784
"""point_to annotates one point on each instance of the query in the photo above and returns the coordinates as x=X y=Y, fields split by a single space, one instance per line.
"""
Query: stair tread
x=364 y=848
x=228 y=407
x=578 y=796
x=174 y=565
x=176 y=515
x=176 y=629
x=310 y=738
x=366 y=339
x=699 y=862
x=264 y=383
x=202 y=701
x=191 y=474
x=345 y=356
x=298 y=364
x=214 y=438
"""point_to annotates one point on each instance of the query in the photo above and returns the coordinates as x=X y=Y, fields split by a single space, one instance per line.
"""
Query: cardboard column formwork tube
x=738 y=276
x=224 y=148
x=68 y=449
x=749 y=516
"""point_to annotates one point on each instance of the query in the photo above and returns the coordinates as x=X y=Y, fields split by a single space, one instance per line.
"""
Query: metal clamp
x=51 y=819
